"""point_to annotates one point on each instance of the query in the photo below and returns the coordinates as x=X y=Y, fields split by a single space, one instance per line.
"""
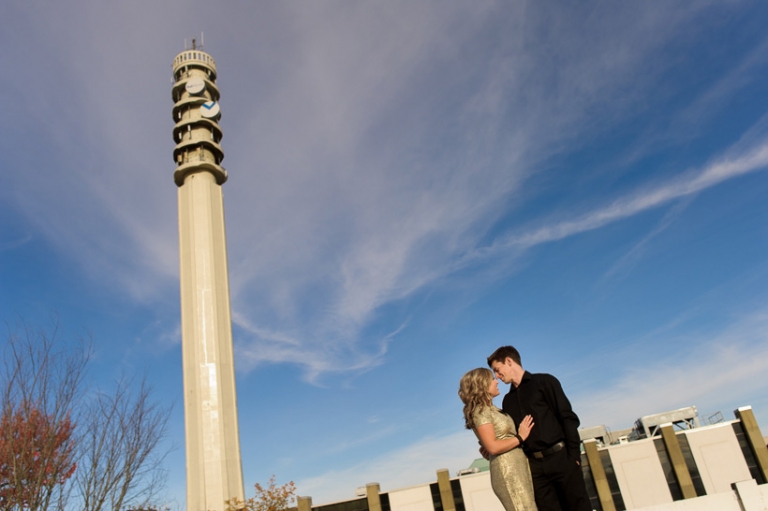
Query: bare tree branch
x=121 y=463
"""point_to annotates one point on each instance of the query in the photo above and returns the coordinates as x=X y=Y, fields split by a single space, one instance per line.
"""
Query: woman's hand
x=525 y=427
x=484 y=452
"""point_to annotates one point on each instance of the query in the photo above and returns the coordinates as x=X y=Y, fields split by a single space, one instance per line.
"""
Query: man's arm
x=568 y=419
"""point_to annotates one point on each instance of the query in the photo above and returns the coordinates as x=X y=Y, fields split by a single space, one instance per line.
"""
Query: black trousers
x=558 y=483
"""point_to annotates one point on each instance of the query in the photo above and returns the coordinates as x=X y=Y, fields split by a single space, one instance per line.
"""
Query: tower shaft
x=214 y=469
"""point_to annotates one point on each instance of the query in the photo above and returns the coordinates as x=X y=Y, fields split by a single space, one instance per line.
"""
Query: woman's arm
x=494 y=446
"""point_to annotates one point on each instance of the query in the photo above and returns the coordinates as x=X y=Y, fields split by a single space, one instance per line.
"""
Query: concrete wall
x=747 y=496
x=639 y=474
x=415 y=498
x=478 y=494
x=718 y=457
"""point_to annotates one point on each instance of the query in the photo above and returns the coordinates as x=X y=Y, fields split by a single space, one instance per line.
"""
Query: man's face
x=503 y=370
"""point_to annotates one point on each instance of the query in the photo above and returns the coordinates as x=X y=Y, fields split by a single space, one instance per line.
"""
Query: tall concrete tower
x=214 y=469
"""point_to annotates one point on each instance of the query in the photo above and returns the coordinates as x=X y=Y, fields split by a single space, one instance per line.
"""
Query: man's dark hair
x=501 y=354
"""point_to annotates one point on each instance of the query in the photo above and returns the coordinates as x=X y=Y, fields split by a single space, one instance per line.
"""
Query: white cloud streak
x=626 y=261
x=13 y=244
x=692 y=183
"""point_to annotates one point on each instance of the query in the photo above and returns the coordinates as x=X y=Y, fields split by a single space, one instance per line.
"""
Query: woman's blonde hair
x=473 y=391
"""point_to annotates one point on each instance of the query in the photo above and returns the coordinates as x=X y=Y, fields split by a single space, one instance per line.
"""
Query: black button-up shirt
x=541 y=396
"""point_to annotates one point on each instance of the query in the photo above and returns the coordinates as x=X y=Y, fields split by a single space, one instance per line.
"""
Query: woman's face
x=493 y=388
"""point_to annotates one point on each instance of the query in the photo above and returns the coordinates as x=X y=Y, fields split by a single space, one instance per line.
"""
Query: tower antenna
x=195 y=46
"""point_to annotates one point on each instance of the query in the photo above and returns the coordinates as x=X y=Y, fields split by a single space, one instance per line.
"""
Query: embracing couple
x=532 y=443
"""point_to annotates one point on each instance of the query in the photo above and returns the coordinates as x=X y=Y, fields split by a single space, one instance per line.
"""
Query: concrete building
x=679 y=465
x=214 y=470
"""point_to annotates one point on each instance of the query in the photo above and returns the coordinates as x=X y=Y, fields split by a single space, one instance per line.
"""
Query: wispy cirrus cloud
x=16 y=243
x=626 y=262
x=370 y=149
x=383 y=272
x=278 y=346
x=690 y=183
x=403 y=192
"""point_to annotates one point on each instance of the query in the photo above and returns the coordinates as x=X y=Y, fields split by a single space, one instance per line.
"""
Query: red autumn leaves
x=36 y=455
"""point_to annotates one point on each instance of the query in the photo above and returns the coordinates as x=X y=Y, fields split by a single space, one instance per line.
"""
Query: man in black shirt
x=553 y=444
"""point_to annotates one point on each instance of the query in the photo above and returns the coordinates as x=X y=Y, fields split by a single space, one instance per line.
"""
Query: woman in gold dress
x=510 y=473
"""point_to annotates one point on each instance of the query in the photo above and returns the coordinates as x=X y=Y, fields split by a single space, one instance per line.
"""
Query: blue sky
x=412 y=184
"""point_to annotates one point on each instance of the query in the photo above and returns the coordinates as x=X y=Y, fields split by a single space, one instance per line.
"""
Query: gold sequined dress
x=510 y=473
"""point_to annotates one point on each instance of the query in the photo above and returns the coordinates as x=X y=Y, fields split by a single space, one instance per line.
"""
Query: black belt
x=559 y=446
